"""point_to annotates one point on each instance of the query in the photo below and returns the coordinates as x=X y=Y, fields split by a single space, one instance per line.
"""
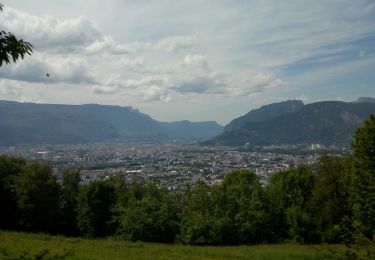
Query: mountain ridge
x=325 y=122
x=31 y=123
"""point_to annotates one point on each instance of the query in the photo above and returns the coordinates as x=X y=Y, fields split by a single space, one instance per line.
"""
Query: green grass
x=14 y=245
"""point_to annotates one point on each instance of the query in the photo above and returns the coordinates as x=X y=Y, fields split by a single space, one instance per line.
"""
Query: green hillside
x=328 y=122
x=15 y=245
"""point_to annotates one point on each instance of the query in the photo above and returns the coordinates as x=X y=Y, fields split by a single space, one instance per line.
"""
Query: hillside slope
x=28 y=123
x=328 y=122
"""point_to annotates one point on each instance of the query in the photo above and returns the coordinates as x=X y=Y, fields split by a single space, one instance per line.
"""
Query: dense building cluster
x=175 y=164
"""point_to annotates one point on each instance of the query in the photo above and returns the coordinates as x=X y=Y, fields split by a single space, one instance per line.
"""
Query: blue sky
x=195 y=60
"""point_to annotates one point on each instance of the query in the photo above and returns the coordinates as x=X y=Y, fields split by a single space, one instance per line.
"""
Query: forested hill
x=327 y=122
x=265 y=113
x=29 y=123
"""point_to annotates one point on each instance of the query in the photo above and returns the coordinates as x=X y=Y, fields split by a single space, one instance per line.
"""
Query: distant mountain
x=329 y=122
x=266 y=112
x=365 y=99
x=29 y=123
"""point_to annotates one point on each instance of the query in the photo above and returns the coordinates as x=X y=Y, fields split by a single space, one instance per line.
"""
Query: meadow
x=17 y=245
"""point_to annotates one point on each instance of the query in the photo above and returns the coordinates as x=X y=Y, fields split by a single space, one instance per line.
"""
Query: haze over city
x=196 y=60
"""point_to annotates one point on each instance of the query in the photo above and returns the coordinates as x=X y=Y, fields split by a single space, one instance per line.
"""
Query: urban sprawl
x=174 y=165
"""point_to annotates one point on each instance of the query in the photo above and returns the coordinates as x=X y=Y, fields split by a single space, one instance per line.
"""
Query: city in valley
x=174 y=165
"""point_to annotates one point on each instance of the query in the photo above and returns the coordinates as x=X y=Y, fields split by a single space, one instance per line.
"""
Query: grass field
x=15 y=245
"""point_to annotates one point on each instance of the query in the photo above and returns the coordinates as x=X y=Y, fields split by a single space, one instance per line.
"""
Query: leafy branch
x=11 y=48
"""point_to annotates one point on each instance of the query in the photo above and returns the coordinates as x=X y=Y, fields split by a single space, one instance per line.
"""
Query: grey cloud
x=9 y=91
x=200 y=85
x=105 y=90
x=168 y=44
x=259 y=82
x=60 y=69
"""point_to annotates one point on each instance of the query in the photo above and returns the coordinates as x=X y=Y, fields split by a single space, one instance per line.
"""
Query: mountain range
x=29 y=123
x=287 y=122
x=292 y=122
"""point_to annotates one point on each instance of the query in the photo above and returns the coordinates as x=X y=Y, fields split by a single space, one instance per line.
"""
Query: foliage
x=37 y=196
x=11 y=48
x=69 y=201
x=231 y=213
x=95 y=202
x=148 y=213
x=362 y=179
x=329 y=202
x=9 y=168
x=289 y=193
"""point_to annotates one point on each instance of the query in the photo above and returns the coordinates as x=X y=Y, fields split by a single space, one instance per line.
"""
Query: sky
x=190 y=59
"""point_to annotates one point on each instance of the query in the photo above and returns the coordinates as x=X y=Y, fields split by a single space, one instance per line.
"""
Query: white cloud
x=9 y=90
x=156 y=93
x=60 y=68
x=177 y=43
x=197 y=60
x=48 y=32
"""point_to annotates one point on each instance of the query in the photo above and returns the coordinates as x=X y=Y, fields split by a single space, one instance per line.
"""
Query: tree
x=198 y=220
x=362 y=179
x=329 y=203
x=69 y=200
x=244 y=207
x=229 y=213
x=289 y=193
x=95 y=203
x=10 y=168
x=12 y=48
x=38 y=198
x=149 y=214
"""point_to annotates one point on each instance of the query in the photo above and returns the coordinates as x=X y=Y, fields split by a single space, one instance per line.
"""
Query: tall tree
x=151 y=215
x=12 y=48
x=329 y=203
x=38 y=198
x=244 y=206
x=69 y=200
x=362 y=186
x=229 y=213
x=95 y=203
x=289 y=193
x=10 y=168
x=198 y=220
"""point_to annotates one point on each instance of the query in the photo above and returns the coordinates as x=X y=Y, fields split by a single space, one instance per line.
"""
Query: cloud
x=9 y=90
x=137 y=65
x=257 y=83
x=156 y=93
x=105 y=90
x=237 y=52
x=167 y=44
x=177 y=43
x=200 y=85
x=197 y=60
x=68 y=69
x=16 y=91
x=47 y=32
x=107 y=44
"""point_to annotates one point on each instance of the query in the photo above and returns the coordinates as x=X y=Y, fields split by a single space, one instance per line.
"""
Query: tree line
x=332 y=202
